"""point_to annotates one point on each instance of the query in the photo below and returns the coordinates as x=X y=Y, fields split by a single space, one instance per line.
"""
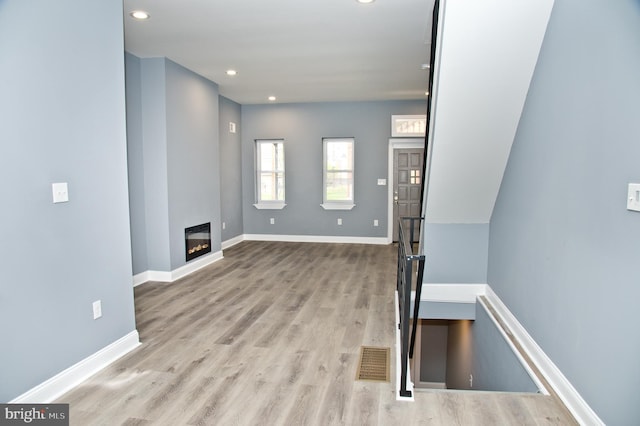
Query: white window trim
x=267 y=204
x=337 y=205
x=275 y=205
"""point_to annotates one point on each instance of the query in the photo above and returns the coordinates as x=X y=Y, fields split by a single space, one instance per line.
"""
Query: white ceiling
x=297 y=50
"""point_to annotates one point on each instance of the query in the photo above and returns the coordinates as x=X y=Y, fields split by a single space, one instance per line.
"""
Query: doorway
x=406 y=159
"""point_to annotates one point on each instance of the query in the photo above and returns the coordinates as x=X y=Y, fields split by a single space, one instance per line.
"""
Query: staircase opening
x=467 y=355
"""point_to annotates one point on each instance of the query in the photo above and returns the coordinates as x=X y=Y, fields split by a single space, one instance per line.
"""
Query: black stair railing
x=410 y=272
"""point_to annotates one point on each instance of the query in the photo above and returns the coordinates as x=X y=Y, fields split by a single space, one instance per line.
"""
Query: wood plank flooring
x=271 y=335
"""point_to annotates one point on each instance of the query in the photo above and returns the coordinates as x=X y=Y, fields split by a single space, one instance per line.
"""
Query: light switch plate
x=633 y=197
x=97 y=309
x=60 y=192
x=382 y=182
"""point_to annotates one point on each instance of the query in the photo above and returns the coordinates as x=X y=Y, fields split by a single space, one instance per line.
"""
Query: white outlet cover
x=60 y=192
x=382 y=182
x=633 y=197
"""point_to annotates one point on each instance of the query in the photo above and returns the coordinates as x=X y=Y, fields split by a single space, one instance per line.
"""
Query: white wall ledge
x=269 y=206
x=337 y=206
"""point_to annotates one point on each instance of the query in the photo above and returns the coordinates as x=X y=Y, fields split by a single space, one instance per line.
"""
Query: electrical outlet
x=470 y=380
x=272 y=220
x=375 y=222
x=339 y=221
x=224 y=225
x=60 y=192
x=97 y=309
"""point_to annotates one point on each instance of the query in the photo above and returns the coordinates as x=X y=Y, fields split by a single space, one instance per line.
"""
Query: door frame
x=397 y=143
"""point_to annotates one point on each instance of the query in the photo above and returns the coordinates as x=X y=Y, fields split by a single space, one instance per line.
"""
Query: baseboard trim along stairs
x=533 y=358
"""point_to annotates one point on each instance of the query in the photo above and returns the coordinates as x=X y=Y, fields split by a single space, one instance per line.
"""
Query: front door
x=407 y=181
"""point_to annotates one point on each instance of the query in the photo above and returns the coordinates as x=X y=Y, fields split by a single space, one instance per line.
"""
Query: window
x=408 y=125
x=270 y=174
x=338 y=174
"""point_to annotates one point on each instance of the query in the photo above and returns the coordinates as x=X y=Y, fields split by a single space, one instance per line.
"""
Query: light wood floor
x=270 y=335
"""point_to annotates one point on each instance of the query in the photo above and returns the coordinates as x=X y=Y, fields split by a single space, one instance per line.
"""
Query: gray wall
x=63 y=120
x=433 y=350
x=135 y=157
x=154 y=164
x=453 y=350
x=302 y=126
x=193 y=157
x=456 y=253
x=459 y=355
x=493 y=364
x=563 y=251
x=175 y=160
x=230 y=169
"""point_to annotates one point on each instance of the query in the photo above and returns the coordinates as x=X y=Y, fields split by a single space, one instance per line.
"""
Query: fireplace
x=197 y=240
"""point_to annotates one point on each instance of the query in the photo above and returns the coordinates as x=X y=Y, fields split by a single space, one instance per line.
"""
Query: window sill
x=337 y=206
x=269 y=206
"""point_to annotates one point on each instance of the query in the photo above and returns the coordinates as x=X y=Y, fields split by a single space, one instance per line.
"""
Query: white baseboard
x=183 y=271
x=232 y=242
x=316 y=239
x=51 y=389
x=199 y=263
x=171 y=276
x=141 y=278
x=562 y=387
x=452 y=293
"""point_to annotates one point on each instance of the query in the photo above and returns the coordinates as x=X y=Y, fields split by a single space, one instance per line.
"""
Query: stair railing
x=410 y=266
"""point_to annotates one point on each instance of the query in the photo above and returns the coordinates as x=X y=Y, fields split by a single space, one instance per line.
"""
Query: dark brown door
x=407 y=181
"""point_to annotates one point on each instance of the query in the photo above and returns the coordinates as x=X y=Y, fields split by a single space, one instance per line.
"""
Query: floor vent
x=373 y=364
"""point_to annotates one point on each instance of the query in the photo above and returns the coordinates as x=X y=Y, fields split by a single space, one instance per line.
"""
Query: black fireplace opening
x=197 y=240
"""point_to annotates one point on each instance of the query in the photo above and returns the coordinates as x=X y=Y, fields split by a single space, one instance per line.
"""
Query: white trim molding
x=337 y=206
x=578 y=407
x=176 y=274
x=141 y=278
x=171 y=276
x=232 y=242
x=315 y=239
x=51 y=389
x=195 y=265
x=452 y=293
x=270 y=206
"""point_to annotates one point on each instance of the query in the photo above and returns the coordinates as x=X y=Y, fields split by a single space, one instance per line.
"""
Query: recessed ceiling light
x=232 y=72
x=365 y=1
x=272 y=98
x=140 y=15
